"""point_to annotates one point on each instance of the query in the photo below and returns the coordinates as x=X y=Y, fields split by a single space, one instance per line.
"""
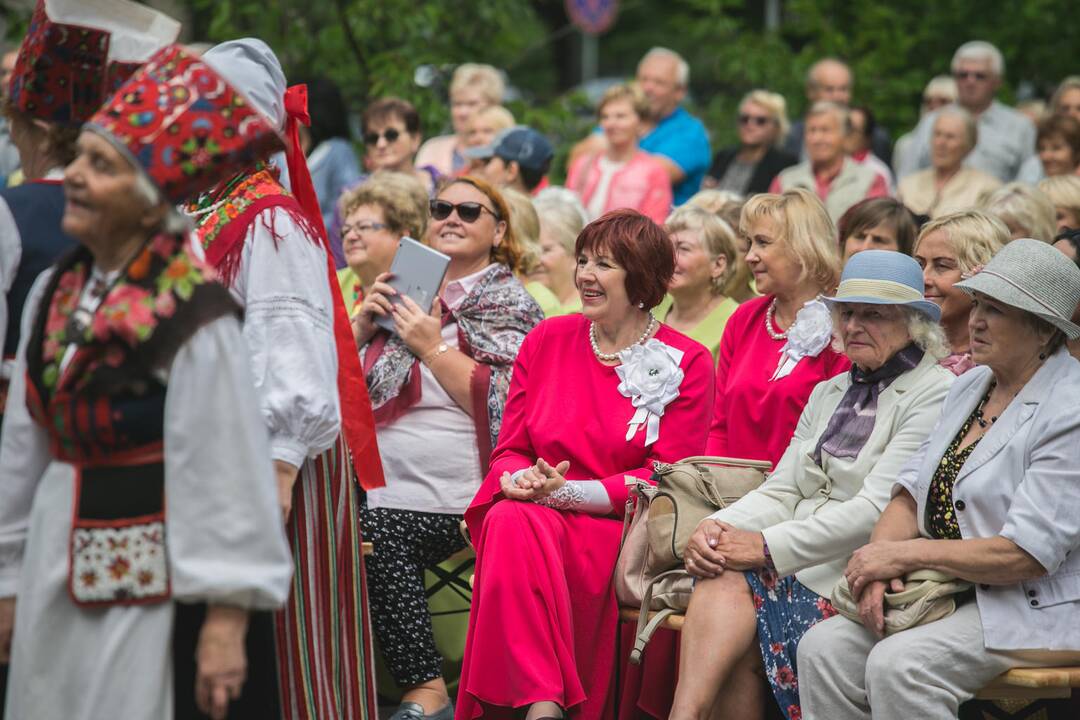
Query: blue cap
x=520 y=144
x=884 y=277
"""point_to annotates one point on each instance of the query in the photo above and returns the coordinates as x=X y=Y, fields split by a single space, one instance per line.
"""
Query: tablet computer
x=418 y=272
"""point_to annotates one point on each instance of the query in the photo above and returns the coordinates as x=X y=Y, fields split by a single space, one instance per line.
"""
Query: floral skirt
x=786 y=609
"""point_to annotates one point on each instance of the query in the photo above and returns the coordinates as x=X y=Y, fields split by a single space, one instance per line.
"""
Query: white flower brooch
x=807 y=337
x=650 y=376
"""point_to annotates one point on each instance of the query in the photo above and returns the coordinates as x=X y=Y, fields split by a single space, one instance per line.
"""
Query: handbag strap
x=646 y=626
x=763 y=465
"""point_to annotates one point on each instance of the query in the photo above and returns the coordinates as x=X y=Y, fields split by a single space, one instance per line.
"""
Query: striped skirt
x=325 y=656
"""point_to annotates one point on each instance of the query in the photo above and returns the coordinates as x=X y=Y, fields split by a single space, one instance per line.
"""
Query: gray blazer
x=1022 y=482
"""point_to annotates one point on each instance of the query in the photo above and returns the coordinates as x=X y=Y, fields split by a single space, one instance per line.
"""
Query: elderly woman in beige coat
x=766 y=565
x=992 y=498
x=947 y=186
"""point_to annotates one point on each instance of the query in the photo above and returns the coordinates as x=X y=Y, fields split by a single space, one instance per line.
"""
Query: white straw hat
x=1033 y=276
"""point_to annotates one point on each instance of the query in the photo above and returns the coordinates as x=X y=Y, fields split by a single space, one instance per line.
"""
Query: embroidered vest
x=104 y=409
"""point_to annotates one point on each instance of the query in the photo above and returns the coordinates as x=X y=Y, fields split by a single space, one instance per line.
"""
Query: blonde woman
x=526 y=225
x=377 y=214
x=1024 y=209
x=485 y=125
x=704 y=260
x=562 y=219
x=1064 y=193
x=622 y=175
x=749 y=167
x=473 y=87
x=947 y=249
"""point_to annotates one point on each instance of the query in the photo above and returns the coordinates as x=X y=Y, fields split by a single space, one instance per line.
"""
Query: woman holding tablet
x=438 y=384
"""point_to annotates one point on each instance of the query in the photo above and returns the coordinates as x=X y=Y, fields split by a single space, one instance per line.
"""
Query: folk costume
x=271 y=251
x=74 y=55
x=137 y=483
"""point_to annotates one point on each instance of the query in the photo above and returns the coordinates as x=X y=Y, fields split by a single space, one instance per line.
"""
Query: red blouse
x=755 y=417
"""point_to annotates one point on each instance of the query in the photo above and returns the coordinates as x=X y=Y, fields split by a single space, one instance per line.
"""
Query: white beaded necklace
x=769 y=327
x=206 y=210
x=608 y=357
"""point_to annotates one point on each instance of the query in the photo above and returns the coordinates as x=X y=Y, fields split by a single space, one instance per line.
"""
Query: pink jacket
x=642 y=184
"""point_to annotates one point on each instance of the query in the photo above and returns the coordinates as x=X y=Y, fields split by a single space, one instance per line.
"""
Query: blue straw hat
x=884 y=277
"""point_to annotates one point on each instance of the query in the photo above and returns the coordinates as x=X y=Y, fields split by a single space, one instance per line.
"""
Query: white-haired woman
x=562 y=218
x=704 y=260
x=1025 y=210
x=473 y=87
x=947 y=186
x=766 y=565
x=749 y=167
x=990 y=499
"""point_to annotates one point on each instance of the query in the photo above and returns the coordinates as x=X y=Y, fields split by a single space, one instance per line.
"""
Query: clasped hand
x=717 y=546
x=539 y=480
x=873 y=569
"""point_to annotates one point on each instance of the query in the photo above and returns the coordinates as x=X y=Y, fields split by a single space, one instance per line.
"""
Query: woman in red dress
x=594 y=398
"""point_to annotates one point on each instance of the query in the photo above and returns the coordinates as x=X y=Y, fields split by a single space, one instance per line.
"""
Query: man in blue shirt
x=678 y=138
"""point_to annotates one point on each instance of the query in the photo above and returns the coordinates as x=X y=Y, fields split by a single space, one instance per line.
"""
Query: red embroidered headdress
x=76 y=52
x=184 y=125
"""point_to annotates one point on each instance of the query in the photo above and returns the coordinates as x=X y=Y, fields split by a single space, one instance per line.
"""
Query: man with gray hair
x=831 y=79
x=678 y=138
x=1006 y=137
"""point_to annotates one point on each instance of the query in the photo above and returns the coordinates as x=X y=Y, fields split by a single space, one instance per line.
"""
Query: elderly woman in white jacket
x=993 y=498
x=767 y=564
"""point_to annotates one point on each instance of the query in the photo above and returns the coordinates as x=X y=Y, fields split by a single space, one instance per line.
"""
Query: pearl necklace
x=608 y=357
x=769 y=327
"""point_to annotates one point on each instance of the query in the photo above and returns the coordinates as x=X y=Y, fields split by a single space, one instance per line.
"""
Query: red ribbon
x=357 y=420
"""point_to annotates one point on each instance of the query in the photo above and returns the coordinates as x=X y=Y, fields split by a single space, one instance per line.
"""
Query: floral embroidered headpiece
x=76 y=52
x=184 y=125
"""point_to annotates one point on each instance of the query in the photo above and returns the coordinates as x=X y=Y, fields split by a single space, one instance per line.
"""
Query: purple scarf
x=853 y=420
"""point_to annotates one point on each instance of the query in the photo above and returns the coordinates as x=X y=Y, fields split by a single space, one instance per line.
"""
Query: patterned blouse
x=940 y=515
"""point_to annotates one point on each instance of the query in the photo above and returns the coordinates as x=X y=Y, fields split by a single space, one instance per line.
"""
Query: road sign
x=592 y=16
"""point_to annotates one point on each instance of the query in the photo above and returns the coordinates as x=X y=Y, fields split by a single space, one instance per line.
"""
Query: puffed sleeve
x=1044 y=517
x=24 y=455
x=684 y=427
x=284 y=287
x=226 y=540
x=837 y=529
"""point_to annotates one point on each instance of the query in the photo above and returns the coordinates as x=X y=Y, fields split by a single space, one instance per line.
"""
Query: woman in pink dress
x=622 y=175
x=775 y=349
x=594 y=398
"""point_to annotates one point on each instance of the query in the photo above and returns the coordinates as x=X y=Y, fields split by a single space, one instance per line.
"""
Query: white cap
x=252 y=68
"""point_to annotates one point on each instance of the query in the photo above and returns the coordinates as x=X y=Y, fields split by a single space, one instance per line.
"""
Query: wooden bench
x=1017 y=684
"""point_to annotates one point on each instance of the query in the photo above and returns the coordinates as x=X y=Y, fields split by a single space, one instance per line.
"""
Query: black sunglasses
x=759 y=120
x=468 y=211
x=390 y=134
x=965 y=74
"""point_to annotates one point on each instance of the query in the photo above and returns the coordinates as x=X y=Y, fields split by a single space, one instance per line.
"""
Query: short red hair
x=639 y=246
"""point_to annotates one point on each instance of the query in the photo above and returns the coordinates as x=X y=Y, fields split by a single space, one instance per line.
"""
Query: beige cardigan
x=813 y=519
x=963 y=191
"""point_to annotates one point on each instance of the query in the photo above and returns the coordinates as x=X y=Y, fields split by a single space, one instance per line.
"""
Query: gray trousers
x=925 y=672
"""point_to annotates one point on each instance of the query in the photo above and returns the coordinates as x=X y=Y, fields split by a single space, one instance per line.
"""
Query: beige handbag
x=649 y=573
x=928 y=595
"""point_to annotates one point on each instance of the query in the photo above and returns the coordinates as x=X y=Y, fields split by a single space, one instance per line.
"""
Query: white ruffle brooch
x=807 y=337
x=650 y=376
